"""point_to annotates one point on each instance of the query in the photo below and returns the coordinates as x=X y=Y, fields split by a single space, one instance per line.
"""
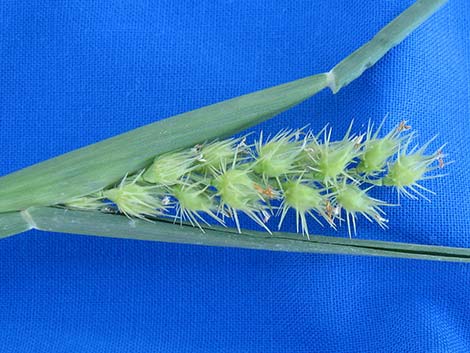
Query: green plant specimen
x=65 y=193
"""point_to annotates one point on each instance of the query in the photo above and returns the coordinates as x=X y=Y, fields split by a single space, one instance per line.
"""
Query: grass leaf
x=94 y=167
x=12 y=223
x=117 y=226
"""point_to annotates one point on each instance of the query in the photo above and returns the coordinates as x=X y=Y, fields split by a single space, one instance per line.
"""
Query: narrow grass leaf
x=117 y=226
x=12 y=223
x=91 y=168
x=391 y=35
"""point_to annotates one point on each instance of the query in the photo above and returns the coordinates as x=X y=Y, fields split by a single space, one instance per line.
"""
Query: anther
x=403 y=126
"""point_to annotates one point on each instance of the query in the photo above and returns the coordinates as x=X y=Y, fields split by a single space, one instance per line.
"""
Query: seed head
x=192 y=200
x=310 y=174
x=277 y=156
x=408 y=169
x=238 y=192
x=236 y=188
x=377 y=151
x=304 y=199
x=169 y=168
x=215 y=156
x=135 y=200
x=354 y=200
x=331 y=160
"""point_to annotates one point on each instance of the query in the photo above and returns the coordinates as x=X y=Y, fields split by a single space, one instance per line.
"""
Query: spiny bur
x=168 y=169
x=295 y=172
x=409 y=169
x=136 y=200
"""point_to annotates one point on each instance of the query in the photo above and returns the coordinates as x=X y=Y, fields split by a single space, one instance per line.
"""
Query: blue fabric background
x=78 y=71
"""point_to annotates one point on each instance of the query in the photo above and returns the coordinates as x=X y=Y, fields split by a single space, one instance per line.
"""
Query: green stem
x=117 y=226
x=392 y=34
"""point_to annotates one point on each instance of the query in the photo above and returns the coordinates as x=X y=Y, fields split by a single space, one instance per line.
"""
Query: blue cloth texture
x=78 y=71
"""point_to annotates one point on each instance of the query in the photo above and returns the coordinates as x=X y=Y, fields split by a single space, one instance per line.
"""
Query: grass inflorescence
x=295 y=170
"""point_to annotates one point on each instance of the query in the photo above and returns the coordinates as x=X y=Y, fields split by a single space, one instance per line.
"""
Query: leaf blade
x=12 y=223
x=391 y=35
x=117 y=226
x=93 y=167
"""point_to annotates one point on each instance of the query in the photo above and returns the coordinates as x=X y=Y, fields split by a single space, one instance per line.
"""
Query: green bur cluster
x=328 y=181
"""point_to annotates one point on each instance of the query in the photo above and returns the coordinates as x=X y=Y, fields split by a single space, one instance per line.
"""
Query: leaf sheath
x=117 y=226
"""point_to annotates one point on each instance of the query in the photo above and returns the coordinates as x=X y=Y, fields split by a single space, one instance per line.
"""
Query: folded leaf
x=118 y=226
x=12 y=223
x=91 y=168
